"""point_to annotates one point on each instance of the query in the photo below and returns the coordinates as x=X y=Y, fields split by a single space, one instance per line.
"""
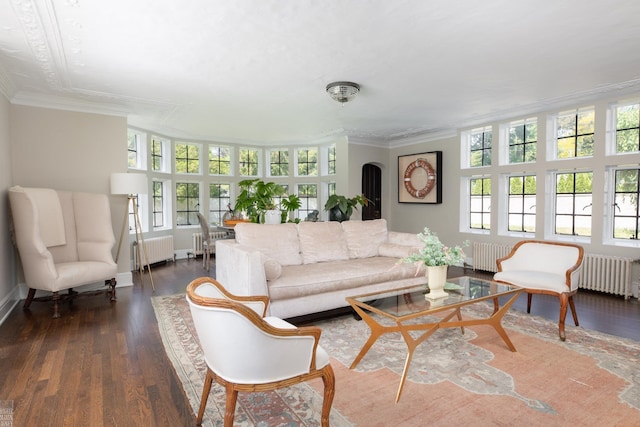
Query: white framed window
x=308 y=194
x=476 y=147
x=520 y=191
x=249 y=160
x=160 y=154
x=219 y=201
x=520 y=141
x=573 y=134
x=187 y=158
x=220 y=160
x=475 y=204
x=278 y=159
x=137 y=149
x=187 y=203
x=572 y=204
x=622 y=217
x=306 y=161
x=623 y=128
x=161 y=204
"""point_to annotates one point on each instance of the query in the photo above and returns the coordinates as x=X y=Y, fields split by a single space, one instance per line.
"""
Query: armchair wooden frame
x=237 y=303
x=565 y=297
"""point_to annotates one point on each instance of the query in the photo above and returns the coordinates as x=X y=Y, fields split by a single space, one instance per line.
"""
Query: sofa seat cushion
x=530 y=279
x=311 y=279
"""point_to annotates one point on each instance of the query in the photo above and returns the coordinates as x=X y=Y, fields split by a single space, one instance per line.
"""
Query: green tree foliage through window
x=628 y=128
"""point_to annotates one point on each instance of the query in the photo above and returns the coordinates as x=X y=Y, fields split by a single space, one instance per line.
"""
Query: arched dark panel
x=372 y=190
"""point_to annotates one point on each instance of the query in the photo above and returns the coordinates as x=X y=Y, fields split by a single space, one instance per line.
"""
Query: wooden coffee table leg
x=496 y=321
x=376 y=330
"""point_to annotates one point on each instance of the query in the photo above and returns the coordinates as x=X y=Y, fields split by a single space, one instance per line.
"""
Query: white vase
x=272 y=217
x=436 y=278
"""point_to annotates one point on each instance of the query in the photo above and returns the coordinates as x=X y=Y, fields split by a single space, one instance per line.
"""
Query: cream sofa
x=313 y=266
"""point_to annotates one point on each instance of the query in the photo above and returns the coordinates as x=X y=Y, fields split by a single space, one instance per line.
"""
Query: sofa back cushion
x=364 y=237
x=278 y=241
x=322 y=241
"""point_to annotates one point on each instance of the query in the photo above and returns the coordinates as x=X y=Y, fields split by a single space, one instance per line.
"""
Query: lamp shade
x=128 y=183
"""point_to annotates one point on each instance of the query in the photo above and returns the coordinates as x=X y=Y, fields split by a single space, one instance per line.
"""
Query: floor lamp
x=131 y=185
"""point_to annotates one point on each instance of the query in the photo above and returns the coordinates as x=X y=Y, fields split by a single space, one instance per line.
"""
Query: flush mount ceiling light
x=343 y=91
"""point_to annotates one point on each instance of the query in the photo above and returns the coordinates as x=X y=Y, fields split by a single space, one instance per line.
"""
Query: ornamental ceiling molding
x=33 y=25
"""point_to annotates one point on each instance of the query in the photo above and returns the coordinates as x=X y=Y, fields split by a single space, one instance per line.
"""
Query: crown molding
x=67 y=104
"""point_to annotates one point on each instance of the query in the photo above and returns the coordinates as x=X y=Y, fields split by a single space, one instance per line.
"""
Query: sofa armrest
x=240 y=268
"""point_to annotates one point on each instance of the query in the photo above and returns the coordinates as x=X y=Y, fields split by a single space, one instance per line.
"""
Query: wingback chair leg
x=329 y=380
x=30 y=295
x=529 y=296
x=205 y=396
x=56 y=305
x=230 y=408
x=112 y=284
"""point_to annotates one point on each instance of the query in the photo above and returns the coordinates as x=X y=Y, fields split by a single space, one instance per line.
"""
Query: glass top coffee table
x=405 y=304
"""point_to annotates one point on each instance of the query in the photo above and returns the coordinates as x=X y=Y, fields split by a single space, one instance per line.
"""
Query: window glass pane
x=248 y=162
x=219 y=160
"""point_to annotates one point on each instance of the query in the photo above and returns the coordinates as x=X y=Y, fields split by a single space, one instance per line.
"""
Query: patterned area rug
x=454 y=379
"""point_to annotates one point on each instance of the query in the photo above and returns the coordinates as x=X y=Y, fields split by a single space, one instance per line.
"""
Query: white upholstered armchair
x=542 y=267
x=64 y=240
x=248 y=352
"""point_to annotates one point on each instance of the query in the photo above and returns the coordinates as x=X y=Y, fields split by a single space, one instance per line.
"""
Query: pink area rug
x=455 y=379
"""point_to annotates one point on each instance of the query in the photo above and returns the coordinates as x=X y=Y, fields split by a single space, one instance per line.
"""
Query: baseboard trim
x=9 y=303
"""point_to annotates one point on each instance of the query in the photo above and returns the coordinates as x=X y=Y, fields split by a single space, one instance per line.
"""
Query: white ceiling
x=256 y=70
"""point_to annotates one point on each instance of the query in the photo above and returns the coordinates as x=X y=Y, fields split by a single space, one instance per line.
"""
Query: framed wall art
x=420 y=178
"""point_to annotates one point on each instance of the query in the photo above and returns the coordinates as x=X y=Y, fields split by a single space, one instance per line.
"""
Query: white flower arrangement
x=435 y=253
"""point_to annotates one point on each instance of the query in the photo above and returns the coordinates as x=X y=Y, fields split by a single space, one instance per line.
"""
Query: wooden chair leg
x=56 y=308
x=329 y=380
x=30 y=295
x=529 y=302
x=564 y=302
x=205 y=396
x=230 y=408
x=112 y=283
x=573 y=310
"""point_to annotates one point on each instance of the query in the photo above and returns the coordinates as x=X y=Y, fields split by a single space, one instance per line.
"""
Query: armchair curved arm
x=198 y=288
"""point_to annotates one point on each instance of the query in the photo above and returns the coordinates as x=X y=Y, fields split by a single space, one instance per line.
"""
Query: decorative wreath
x=431 y=178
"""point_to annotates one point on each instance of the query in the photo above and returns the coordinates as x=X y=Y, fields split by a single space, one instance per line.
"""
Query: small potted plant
x=436 y=257
x=340 y=208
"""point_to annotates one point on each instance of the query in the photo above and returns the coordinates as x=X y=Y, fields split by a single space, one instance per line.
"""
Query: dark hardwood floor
x=103 y=364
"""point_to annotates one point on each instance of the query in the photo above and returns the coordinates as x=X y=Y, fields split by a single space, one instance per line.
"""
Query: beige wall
x=8 y=290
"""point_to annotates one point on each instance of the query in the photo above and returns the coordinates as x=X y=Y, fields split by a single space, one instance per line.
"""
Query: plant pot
x=335 y=214
x=273 y=217
x=436 y=278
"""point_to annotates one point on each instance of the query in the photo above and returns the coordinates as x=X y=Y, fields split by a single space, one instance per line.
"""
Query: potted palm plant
x=258 y=200
x=340 y=208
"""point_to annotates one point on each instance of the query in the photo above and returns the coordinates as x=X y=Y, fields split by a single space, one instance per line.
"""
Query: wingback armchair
x=248 y=352
x=64 y=240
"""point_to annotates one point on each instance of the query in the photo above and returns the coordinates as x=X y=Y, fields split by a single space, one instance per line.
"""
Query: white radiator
x=603 y=273
x=197 y=240
x=608 y=274
x=486 y=254
x=157 y=249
